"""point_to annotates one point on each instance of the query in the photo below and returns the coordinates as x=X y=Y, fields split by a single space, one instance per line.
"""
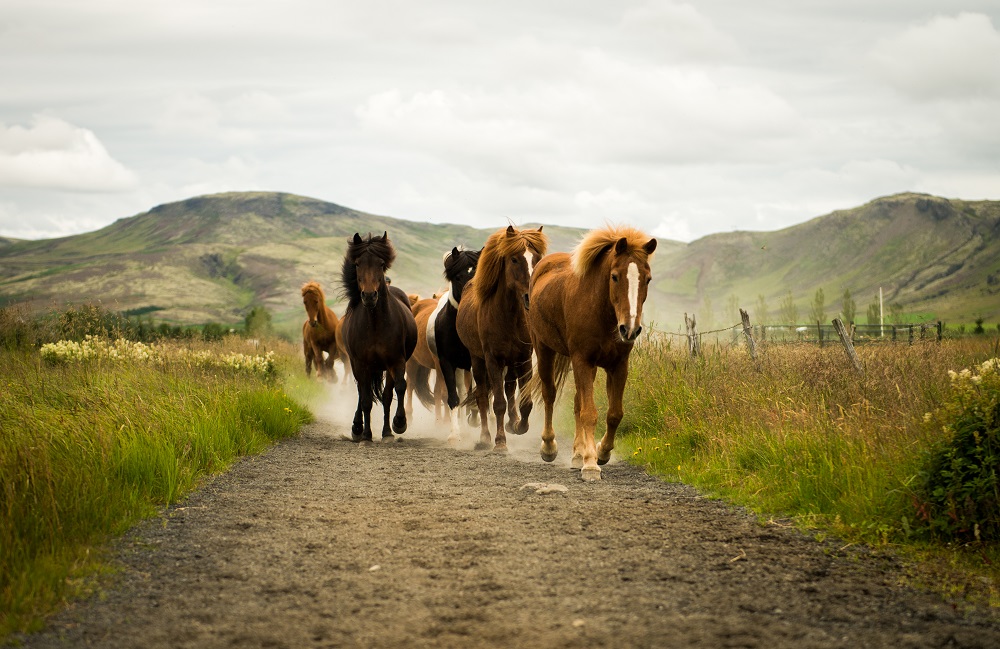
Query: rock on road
x=323 y=543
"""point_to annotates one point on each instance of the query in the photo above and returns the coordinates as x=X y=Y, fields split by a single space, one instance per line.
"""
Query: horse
x=442 y=336
x=319 y=333
x=379 y=333
x=586 y=312
x=492 y=324
x=422 y=363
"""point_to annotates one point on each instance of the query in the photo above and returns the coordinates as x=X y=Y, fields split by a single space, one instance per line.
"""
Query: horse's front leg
x=617 y=377
x=447 y=373
x=584 y=447
x=399 y=379
x=482 y=400
x=546 y=359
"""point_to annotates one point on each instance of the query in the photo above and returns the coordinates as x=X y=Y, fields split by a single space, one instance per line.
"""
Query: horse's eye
x=614 y=278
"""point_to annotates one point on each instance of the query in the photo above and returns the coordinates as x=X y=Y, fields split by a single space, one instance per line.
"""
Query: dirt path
x=322 y=543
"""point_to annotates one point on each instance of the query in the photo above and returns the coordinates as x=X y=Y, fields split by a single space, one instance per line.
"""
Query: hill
x=933 y=257
x=211 y=258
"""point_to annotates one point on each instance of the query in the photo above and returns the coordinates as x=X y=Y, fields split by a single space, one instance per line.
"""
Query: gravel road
x=323 y=543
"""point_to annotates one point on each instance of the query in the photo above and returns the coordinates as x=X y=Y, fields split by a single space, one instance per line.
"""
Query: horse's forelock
x=313 y=288
x=381 y=247
x=501 y=244
x=455 y=265
x=589 y=253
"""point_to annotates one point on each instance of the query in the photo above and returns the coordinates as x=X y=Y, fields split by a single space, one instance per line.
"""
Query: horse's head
x=628 y=284
x=313 y=300
x=371 y=258
x=459 y=268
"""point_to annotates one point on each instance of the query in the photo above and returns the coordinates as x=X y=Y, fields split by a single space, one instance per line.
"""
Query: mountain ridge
x=210 y=258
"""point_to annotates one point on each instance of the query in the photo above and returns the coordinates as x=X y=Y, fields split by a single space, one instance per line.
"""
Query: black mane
x=455 y=264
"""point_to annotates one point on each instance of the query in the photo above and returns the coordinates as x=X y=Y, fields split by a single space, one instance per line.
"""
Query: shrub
x=959 y=497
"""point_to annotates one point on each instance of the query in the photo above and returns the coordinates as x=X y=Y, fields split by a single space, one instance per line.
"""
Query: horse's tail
x=560 y=370
x=421 y=385
x=377 y=380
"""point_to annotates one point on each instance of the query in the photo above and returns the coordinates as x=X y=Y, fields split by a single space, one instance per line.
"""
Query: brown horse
x=379 y=332
x=319 y=333
x=586 y=311
x=492 y=324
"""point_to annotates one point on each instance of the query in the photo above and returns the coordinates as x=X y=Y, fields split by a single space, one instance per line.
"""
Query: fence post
x=848 y=345
x=748 y=332
x=909 y=334
x=819 y=333
x=940 y=328
x=694 y=344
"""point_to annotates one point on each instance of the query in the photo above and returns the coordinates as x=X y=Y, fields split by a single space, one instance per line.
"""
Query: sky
x=683 y=119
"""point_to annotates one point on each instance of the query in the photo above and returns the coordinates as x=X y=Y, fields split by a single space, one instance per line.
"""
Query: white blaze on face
x=531 y=266
x=633 y=294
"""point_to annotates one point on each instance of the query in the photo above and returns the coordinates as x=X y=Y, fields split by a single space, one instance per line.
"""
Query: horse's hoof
x=500 y=448
x=399 y=425
x=389 y=439
x=522 y=427
x=590 y=474
x=482 y=446
x=511 y=427
x=454 y=441
x=576 y=462
x=549 y=457
x=603 y=460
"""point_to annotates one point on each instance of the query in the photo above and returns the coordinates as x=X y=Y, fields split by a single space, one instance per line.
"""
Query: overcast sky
x=681 y=118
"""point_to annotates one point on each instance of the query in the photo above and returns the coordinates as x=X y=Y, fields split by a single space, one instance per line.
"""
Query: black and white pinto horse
x=442 y=338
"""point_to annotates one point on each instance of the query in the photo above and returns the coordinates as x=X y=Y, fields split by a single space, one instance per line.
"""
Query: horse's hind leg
x=483 y=400
x=509 y=390
x=398 y=378
x=524 y=402
x=495 y=376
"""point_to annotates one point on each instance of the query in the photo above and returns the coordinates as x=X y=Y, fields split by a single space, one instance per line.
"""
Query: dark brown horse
x=379 y=333
x=319 y=334
x=492 y=324
x=586 y=311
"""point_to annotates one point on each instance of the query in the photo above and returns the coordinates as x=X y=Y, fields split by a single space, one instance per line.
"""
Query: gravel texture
x=320 y=542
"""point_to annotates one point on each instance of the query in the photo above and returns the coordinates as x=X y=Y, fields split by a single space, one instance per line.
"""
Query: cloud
x=234 y=121
x=947 y=57
x=53 y=154
x=675 y=32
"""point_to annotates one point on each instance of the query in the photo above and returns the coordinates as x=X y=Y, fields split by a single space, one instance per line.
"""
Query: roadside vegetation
x=905 y=456
x=101 y=430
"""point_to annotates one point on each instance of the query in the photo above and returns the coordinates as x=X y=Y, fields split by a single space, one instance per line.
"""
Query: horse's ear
x=540 y=228
x=454 y=251
x=650 y=246
x=621 y=247
x=385 y=236
x=510 y=231
x=357 y=238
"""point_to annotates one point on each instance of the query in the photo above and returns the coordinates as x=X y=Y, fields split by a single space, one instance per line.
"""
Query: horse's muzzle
x=314 y=323
x=369 y=300
x=629 y=336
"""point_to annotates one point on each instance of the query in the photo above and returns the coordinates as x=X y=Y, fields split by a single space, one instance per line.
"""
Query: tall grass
x=798 y=433
x=89 y=448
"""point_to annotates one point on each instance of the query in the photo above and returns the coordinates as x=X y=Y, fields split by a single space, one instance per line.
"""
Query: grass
x=89 y=448
x=800 y=435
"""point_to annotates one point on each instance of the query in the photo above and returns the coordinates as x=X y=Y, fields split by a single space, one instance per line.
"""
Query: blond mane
x=589 y=252
x=502 y=244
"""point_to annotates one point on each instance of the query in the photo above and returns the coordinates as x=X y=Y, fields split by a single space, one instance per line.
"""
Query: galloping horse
x=586 y=311
x=492 y=324
x=422 y=362
x=379 y=332
x=319 y=333
x=439 y=334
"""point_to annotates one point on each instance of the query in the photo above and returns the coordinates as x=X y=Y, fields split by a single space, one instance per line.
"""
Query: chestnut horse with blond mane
x=492 y=323
x=319 y=333
x=586 y=312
